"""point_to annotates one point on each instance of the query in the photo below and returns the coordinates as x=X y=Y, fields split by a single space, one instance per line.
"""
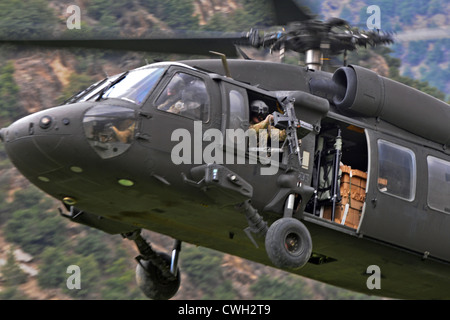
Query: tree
x=100 y=9
x=11 y=272
x=29 y=197
x=272 y=288
x=94 y=244
x=202 y=266
x=52 y=273
x=218 y=22
x=179 y=14
x=407 y=11
x=9 y=93
x=26 y=19
x=77 y=83
x=121 y=282
x=34 y=229
x=417 y=51
x=438 y=53
x=259 y=12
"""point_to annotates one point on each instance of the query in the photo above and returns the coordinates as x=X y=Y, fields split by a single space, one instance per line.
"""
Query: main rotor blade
x=200 y=44
x=287 y=11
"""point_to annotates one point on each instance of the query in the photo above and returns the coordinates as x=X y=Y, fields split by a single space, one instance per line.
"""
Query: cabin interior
x=340 y=173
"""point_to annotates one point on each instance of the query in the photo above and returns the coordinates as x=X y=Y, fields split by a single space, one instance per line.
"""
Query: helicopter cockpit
x=185 y=95
x=110 y=128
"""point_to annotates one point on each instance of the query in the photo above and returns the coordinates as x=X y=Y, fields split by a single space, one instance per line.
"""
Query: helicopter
x=353 y=176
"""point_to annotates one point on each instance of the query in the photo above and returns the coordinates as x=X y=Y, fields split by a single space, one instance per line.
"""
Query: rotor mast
x=314 y=59
x=317 y=39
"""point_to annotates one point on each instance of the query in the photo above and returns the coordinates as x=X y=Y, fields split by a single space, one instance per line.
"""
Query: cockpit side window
x=185 y=95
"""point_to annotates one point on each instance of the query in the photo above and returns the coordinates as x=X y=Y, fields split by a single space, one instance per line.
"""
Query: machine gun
x=295 y=129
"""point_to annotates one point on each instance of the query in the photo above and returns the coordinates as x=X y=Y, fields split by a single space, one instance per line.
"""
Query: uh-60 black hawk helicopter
x=357 y=183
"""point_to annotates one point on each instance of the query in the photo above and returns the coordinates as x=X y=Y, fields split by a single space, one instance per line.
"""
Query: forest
x=30 y=220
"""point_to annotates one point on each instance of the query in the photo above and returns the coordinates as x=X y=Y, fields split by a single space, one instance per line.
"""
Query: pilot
x=193 y=98
x=188 y=99
x=261 y=119
x=126 y=135
x=172 y=94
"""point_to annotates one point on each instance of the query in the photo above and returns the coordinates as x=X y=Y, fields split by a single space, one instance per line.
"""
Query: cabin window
x=438 y=184
x=185 y=95
x=396 y=170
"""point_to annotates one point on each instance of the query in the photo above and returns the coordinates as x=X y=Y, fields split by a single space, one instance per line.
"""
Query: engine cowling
x=357 y=90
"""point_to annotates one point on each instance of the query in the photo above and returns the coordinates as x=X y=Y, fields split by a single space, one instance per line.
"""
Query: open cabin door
x=341 y=166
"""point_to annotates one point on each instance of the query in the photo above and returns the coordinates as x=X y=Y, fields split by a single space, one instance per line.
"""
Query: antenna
x=224 y=62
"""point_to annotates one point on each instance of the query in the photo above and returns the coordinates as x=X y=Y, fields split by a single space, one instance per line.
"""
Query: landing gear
x=157 y=274
x=288 y=243
x=153 y=282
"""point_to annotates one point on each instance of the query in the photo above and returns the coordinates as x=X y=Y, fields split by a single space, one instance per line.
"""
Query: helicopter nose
x=36 y=143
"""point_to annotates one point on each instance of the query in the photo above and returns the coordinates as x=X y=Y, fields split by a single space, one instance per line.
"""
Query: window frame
x=412 y=171
x=164 y=85
x=131 y=95
x=432 y=183
x=233 y=110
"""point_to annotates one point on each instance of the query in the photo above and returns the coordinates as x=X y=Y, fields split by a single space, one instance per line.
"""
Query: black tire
x=153 y=283
x=288 y=243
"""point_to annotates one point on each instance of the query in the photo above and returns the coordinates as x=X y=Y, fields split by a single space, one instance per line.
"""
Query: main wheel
x=153 y=283
x=288 y=243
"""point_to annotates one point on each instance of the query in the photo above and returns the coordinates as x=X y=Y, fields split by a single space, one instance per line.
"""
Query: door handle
x=145 y=114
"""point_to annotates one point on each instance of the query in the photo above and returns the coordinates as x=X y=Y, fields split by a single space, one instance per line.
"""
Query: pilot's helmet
x=175 y=85
x=259 y=109
x=195 y=91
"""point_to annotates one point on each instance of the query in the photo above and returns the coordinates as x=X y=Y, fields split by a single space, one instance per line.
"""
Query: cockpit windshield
x=90 y=91
x=133 y=86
